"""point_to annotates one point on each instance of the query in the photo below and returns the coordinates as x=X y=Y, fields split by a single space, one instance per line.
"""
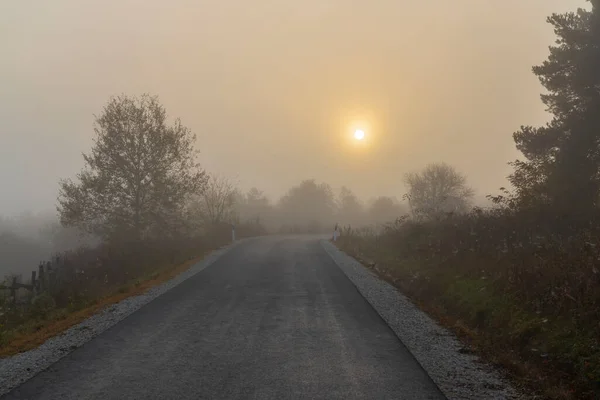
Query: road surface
x=274 y=318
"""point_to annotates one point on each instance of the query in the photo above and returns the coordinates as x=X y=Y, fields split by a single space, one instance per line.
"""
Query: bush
x=42 y=305
x=526 y=280
x=76 y=279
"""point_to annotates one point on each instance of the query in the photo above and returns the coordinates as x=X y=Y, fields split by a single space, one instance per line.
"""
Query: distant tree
x=216 y=203
x=253 y=206
x=437 y=190
x=350 y=210
x=309 y=205
x=138 y=176
x=562 y=159
x=385 y=209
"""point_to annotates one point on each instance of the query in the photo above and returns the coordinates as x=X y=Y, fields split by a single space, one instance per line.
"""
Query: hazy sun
x=359 y=134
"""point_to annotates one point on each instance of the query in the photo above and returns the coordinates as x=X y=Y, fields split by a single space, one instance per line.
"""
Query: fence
x=86 y=274
x=44 y=279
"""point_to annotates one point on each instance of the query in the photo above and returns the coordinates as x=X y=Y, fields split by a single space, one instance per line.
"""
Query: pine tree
x=562 y=166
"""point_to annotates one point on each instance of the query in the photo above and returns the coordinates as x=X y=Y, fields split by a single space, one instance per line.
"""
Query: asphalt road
x=274 y=318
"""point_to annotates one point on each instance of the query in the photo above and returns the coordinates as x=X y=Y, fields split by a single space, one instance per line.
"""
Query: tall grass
x=82 y=277
x=526 y=283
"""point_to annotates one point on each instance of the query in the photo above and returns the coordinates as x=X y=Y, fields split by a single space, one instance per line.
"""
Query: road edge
x=458 y=375
x=17 y=369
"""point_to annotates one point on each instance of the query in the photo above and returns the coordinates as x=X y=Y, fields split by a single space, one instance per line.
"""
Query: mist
x=272 y=91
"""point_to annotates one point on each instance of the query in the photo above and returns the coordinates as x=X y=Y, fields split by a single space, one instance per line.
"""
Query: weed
x=524 y=289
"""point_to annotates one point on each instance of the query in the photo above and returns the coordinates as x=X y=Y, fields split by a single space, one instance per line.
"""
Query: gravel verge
x=459 y=375
x=17 y=369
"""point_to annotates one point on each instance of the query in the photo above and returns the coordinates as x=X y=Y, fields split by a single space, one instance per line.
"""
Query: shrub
x=42 y=305
x=525 y=279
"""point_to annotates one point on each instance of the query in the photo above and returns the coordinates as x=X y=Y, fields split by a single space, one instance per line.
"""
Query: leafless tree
x=437 y=190
x=216 y=203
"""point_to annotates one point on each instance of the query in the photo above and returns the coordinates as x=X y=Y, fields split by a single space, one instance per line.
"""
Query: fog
x=273 y=90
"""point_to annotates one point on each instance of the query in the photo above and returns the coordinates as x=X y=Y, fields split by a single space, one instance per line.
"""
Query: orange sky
x=272 y=88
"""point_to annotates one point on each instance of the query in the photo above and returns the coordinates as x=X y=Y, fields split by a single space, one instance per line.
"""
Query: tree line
x=142 y=180
x=560 y=169
x=521 y=279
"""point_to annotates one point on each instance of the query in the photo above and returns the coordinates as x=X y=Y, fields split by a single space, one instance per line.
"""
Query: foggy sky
x=272 y=88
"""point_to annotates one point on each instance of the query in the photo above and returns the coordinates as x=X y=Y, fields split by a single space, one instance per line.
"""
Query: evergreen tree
x=562 y=166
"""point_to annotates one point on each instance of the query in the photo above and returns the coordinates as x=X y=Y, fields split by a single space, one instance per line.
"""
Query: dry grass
x=84 y=281
x=524 y=374
x=35 y=333
x=523 y=294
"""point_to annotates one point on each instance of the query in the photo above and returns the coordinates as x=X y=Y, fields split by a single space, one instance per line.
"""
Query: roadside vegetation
x=522 y=294
x=139 y=212
x=518 y=281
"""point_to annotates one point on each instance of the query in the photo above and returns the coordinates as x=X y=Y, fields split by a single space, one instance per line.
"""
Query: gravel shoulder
x=19 y=368
x=458 y=375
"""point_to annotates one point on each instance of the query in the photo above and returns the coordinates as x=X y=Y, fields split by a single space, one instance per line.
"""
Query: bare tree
x=437 y=190
x=138 y=176
x=216 y=203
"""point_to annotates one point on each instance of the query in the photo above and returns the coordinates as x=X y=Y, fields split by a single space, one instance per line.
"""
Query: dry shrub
x=528 y=281
x=77 y=278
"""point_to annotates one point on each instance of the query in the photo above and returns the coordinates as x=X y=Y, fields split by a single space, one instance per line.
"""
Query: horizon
x=272 y=90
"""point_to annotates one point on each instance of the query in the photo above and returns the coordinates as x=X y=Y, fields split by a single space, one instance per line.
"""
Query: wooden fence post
x=33 y=286
x=41 y=277
x=13 y=291
x=49 y=276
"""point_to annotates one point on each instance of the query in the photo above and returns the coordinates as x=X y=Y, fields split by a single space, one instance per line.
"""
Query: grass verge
x=35 y=331
x=545 y=356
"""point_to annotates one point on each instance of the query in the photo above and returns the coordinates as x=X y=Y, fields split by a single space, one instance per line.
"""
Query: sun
x=359 y=134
